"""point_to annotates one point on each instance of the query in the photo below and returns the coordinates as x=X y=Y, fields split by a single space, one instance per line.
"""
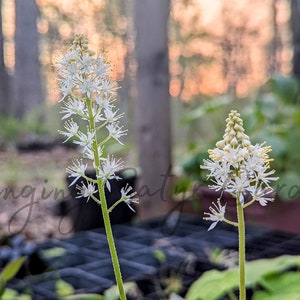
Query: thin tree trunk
x=152 y=105
x=27 y=83
x=5 y=100
x=274 y=63
x=295 y=24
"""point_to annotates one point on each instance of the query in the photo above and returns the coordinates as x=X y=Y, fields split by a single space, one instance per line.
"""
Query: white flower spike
x=239 y=168
x=89 y=93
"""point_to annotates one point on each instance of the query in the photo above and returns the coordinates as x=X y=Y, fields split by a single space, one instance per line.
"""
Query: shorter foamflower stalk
x=243 y=170
x=89 y=94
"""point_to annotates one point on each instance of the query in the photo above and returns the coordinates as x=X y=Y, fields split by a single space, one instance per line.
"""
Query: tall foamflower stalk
x=243 y=170
x=88 y=93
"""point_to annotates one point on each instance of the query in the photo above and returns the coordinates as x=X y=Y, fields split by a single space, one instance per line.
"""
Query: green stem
x=105 y=212
x=231 y=222
x=242 y=248
x=111 y=243
x=115 y=204
x=249 y=203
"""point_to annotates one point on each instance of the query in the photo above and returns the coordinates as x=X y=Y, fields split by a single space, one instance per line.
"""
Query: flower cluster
x=238 y=167
x=88 y=93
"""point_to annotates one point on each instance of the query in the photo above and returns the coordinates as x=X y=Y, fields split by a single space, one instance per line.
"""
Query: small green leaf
x=53 y=252
x=130 y=288
x=282 y=283
x=10 y=294
x=63 y=288
x=11 y=269
x=205 y=287
x=182 y=185
x=160 y=256
x=264 y=295
x=256 y=270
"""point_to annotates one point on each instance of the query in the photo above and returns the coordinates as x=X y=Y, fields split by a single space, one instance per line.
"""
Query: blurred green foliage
x=271 y=275
x=43 y=120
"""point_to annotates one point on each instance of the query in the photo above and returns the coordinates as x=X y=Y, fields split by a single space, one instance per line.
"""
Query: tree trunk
x=274 y=63
x=152 y=105
x=27 y=83
x=295 y=24
x=5 y=99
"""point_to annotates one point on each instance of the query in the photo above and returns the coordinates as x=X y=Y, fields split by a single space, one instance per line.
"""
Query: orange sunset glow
x=215 y=46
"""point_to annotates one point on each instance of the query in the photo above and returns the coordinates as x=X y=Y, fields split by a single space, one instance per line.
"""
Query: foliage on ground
x=266 y=273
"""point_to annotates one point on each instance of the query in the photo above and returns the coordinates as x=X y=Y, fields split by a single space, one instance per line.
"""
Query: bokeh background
x=218 y=55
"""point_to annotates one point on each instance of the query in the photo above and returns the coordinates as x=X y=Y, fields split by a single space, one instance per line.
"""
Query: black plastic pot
x=121 y=231
x=37 y=143
x=43 y=286
x=157 y=286
x=89 y=241
x=145 y=238
x=272 y=244
x=131 y=270
x=96 y=246
x=87 y=214
x=57 y=254
x=147 y=256
x=196 y=246
x=220 y=238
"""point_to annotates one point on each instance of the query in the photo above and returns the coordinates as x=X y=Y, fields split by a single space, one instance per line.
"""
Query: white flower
x=67 y=65
x=88 y=152
x=76 y=170
x=108 y=169
x=238 y=185
x=262 y=195
x=115 y=131
x=100 y=67
x=128 y=197
x=261 y=174
x=73 y=107
x=66 y=88
x=111 y=116
x=88 y=86
x=86 y=63
x=86 y=191
x=97 y=113
x=219 y=173
x=216 y=214
x=85 y=140
x=71 y=130
x=104 y=102
x=108 y=87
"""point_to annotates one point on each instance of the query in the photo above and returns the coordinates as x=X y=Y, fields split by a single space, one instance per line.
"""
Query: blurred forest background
x=215 y=48
x=210 y=55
